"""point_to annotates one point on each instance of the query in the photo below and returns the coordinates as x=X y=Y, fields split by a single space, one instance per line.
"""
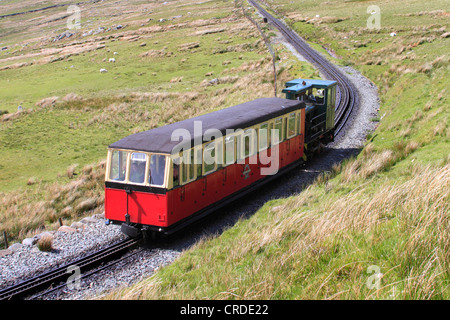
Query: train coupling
x=130 y=230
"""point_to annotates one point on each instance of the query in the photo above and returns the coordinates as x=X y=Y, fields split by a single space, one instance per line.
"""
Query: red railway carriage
x=160 y=180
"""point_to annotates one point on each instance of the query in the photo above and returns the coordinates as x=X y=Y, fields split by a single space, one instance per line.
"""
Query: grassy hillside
x=53 y=150
x=377 y=226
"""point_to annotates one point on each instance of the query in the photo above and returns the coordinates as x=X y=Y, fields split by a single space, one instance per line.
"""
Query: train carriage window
x=229 y=150
x=137 y=167
x=250 y=142
x=158 y=169
x=320 y=96
x=192 y=166
x=263 y=136
x=118 y=165
x=209 y=158
x=278 y=131
x=188 y=170
x=185 y=166
x=284 y=133
x=314 y=96
x=184 y=169
x=198 y=160
x=239 y=146
x=291 y=125
x=219 y=149
x=270 y=134
x=176 y=175
x=299 y=124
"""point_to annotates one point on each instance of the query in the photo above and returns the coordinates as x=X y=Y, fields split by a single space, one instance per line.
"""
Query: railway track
x=58 y=277
x=347 y=97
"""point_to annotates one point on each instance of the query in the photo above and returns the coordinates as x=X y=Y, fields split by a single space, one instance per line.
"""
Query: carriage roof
x=236 y=117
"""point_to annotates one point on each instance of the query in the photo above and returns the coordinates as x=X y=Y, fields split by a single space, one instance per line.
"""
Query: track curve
x=347 y=98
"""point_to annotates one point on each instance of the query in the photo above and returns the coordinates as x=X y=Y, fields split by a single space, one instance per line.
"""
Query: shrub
x=45 y=243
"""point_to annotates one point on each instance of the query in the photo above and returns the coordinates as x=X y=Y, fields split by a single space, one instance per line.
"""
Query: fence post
x=269 y=47
x=6 y=239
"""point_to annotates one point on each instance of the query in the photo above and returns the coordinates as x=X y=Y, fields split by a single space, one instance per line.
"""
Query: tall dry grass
x=372 y=162
x=318 y=247
x=152 y=109
x=23 y=214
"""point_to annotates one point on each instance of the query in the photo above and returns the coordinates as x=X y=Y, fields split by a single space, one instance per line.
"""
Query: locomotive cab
x=320 y=99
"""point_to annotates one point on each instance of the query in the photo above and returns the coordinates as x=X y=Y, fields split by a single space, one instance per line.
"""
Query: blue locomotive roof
x=298 y=85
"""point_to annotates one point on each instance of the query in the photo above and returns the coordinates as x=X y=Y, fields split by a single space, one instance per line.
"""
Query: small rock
x=99 y=215
x=67 y=229
x=44 y=234
x=103 y=70
x=143 y=44
x=88 y=220
x=275 y=209
x=63 y=35
x=29 y=241
x=5 y=252
x=15 y=247
x=78 y=225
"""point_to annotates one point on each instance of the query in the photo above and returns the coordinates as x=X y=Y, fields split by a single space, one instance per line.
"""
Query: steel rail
x=60 y=274
x=347 y=95
x=85 y=275
x=346 y=100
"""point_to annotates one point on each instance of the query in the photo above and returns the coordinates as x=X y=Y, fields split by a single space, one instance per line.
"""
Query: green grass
x=310 y=249
x=57 y=137
x=26 y=151
x=387 y=208
x=49 y=149
x=80 y=73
